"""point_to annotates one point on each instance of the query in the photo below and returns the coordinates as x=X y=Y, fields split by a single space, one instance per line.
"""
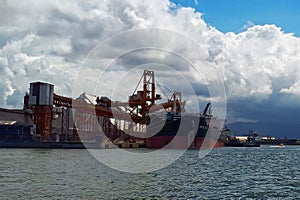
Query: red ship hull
x=181 y=142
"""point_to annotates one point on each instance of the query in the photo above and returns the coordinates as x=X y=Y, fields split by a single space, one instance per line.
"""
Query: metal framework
x=92 y=120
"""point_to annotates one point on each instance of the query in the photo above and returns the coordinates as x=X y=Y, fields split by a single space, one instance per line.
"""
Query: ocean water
x=225 y=173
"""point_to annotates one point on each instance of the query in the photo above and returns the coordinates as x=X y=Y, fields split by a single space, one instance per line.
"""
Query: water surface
x=236 y=173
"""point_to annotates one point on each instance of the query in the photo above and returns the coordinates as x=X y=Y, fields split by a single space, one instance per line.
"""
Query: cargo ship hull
x=184 y=132
x=181 y=142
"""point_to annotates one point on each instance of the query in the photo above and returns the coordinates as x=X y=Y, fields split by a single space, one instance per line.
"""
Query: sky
x=237 y=15
x=282 y=118
x=249 y=50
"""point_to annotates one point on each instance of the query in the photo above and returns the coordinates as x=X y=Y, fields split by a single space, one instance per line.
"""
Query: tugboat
x=252 y=140
x=233 y=142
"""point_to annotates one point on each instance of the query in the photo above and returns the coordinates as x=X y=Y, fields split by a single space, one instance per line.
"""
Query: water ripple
x=226 y=173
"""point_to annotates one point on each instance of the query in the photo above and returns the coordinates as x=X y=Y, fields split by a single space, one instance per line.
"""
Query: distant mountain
x=276 y=129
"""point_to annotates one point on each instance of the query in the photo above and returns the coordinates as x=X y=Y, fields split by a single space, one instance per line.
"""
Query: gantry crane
x=81 y=118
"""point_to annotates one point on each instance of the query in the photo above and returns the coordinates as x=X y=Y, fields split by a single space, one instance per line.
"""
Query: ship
x=252 y=139
x=48 y=120
x=187 y=130
x=174 y=127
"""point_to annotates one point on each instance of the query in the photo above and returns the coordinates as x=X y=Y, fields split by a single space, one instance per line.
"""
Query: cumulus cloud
x=19 y=66
x=253 y=60
x=48 y=41
x=294 y=89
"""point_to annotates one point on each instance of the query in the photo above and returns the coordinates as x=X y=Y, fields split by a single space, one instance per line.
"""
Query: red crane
x=80 y=118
